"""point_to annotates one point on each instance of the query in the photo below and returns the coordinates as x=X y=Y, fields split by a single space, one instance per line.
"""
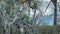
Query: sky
x=44 y=5
x=49 y=14
x=46 y=14
x=47 y=18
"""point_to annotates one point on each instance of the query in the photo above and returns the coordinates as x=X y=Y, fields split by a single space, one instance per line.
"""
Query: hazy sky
x=47 y=18
x=48 y=15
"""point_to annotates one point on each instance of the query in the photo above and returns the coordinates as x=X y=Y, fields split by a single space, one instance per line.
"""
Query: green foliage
x=41 y=29
x=48 y=29
x=1 y=28
x=25 y=16
x=7 y=1
x=7 y=10
x=0 y=20
x=39 y=4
